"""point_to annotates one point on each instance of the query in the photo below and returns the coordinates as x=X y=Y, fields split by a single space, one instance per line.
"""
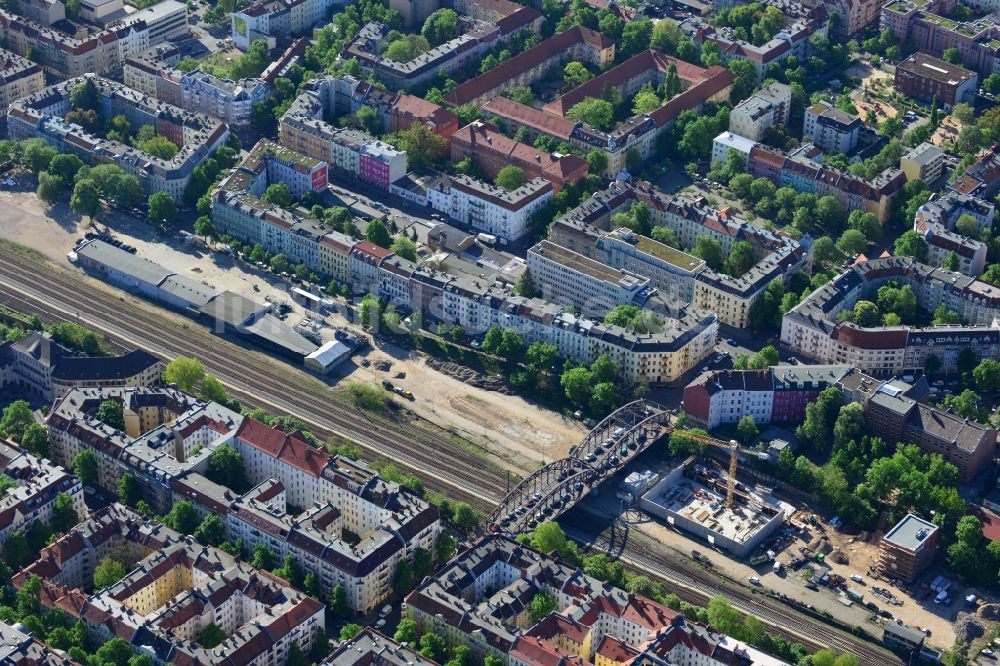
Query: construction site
x=702 y=501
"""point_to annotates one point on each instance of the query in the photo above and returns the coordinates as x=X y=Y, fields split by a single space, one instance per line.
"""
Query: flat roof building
x=907 y=548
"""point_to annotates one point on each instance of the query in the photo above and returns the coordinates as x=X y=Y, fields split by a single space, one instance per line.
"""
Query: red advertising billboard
x=319 y=178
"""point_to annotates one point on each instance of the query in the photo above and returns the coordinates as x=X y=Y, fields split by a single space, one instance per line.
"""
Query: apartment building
x=936 y=221
x=925 y=162
x=304 y=130
x=982 y=178
x=18 y=646
x=167 y=434
x=339 y=495
x=728 y=143
x=94 y=52
x=636 y=134
x=565 y=277
x=484 y=143
x=811 y=328
x=926 y=24
x=792 y=40
x=482 y=598
x=855 y=16
x=370 y=647
x=489 y=208
x=197 y=136
x=19 y=77
x=800 y=171
x=776 y=395
x=37 y=484
x=896 y=418
x=174 y=590
x=925 y=79
x=576 y=44
x=832 y=130
x=39 y=365
x=474 y=40
x=274 y=20
x=771 y=105
x=45 y=12
x=906 y=550
x=380 y=164
x=675 y=273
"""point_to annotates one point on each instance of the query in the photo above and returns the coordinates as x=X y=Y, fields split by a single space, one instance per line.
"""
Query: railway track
x=127 y=321
x=255 y=379
x=696 y=585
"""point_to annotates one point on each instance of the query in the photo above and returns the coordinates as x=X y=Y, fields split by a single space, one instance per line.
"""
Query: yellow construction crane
x=734 y=449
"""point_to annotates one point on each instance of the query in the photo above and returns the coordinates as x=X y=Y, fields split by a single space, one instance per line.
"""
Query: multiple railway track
x=252 y=377
x=695 y=584
x=59 y=295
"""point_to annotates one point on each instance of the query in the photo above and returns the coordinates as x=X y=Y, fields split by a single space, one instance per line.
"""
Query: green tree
x=952 y=262
x=203 y=227
x=50 y=187
x=747 y=429
x=182 y=517
x=526 y=285
x=263 y=558
x=86 y=199
x=644 y=102
x=161 y=208
x=765 y=358
x=423 y=147
x=64 y=516
x=708 y=250
x=576 y=383
x=598 y=162
x=211 y=531
x=187 y=373
x=446 y=546
x=510 y=177
x=576 y=74
x=636 y=36
x=279 y=195
x=349 y=631
x=377 y=233
x=866 y=314
x=404 y=247
x=541 y=605
x=511 y=345
x=107 y=573
x=17 y=417
x=740 y=259
x=338 y=605
x=852 y=242
x=850 y=424
x=433 y=647
x=225 y=467
x=440 y=27
x=950 y=55
x=541 y=355
x=465 y=517
x=911 y=244
x=159 y=146
x=212 y=636
x=987 y=375
x=110 y=412
x=36 y=440
x=128 y=489
x=85 y=467
x=594 y=112
x=85 y=96
x=603 y=399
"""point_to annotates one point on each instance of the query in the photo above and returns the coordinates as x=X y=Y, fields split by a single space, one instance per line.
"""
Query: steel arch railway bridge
x=558 y=486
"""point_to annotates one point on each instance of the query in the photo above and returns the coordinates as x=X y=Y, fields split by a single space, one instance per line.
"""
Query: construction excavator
x=732 y=446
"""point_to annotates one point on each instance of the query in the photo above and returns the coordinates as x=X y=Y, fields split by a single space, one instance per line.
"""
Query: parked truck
x=854 y=595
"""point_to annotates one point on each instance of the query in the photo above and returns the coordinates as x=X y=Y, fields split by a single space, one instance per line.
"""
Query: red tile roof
x=292 y=449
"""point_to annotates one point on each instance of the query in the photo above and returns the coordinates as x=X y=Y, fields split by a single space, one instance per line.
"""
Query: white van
x=754 y=580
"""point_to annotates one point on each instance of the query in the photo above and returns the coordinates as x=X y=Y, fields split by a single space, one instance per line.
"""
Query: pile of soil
x=839 y=557
x=470 y=376
x=968 y=628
